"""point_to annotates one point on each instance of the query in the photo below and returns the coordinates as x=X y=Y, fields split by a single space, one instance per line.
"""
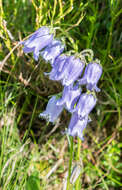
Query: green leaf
x=33 y=183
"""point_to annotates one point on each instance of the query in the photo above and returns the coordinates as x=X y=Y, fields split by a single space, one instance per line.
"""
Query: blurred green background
x=30 y=147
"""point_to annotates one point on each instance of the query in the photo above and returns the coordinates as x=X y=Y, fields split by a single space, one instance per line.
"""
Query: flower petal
x=52 y=111
x=85 y=105
x=91 y=76
x=76 y=126
x=52 y=51
x=39 y=40
x=73 y=69
x=57 y=72
x=69 y=97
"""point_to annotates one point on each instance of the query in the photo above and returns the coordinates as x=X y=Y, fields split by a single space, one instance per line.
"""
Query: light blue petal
x=39 y=40
x=52 y=111
x=52 y=51
x=73 y=70
x=69 y=97
x=76 y=126
x=91 y=76
x=57 y=72
x=85 y=105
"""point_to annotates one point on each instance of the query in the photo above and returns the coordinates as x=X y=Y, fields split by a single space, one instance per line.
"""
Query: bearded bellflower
x=69 y=97
x=85 y=105
x=52 y=111
x=39 y=40
x=67 y=69
x=58 y=68
x=73 y=69
x=52 y=51
x=91 y=76
x=77 y=125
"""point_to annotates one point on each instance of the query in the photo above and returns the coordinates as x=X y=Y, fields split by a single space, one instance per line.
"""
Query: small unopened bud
x=76 y=173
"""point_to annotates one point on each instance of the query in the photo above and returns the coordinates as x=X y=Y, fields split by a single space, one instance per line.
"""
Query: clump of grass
x=30 y=148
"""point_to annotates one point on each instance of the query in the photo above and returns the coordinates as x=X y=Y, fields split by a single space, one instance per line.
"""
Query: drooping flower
x=77 y=125
x=57 y=71
x=91 y=76
x=70 y=68
x=52 y=111
x=39 y=40
x=69 y=97
x=52 y=51
x=85 y=105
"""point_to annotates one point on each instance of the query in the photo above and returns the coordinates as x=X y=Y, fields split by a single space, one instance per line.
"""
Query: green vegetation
x=30 y=148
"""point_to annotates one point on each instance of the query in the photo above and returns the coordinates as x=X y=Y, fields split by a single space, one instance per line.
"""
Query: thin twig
x=58 y=163
x=2 y=63
x=113 y=136
x=54 y=128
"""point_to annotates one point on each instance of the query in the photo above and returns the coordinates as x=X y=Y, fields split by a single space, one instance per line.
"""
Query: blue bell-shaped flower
x=52 y=51
x=77 y=125
x=85 y=105
x=39 y=40
x=91 y=76
x=52 y=111
x=69 y=97
x=67 y=69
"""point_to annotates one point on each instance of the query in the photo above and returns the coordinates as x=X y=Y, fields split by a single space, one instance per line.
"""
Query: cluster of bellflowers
x=74 y=72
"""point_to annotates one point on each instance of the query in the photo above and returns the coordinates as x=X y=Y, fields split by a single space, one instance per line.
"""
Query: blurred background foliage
x=30 y=148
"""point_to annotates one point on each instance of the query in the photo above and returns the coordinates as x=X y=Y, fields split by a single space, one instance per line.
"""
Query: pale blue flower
x=69 y=97
x=72 y=71
x=77 y=125
x=85 y=105
x=67 y=69
x=52 y=51
x=52 y=111
x=39 y=40
x=91 y=76
x=57 y=71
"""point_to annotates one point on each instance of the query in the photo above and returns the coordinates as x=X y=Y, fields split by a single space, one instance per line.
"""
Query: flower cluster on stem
x=73 y=71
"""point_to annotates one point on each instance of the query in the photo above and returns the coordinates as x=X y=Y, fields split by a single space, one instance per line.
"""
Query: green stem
x=78 y=159
x=70 y=163
x=31 y=120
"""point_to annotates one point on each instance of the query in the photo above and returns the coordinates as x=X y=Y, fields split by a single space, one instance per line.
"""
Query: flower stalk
x=78 y=186
x=70 y=163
